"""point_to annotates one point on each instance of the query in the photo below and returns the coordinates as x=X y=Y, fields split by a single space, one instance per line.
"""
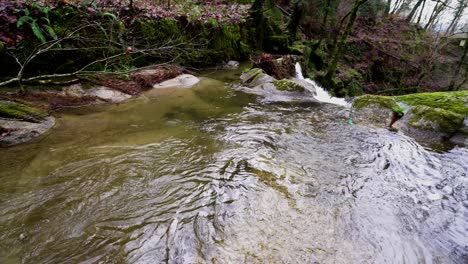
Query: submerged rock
x=181 y=81
x=108 y=94
x=101 y=93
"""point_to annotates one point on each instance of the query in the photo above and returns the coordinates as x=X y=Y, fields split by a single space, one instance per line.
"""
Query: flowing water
x=210 y=175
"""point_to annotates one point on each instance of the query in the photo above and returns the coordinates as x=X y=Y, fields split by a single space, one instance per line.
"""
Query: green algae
x=22 y=112
x=287 y=85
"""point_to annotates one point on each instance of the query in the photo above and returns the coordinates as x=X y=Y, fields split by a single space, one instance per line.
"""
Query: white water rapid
x=322 y=94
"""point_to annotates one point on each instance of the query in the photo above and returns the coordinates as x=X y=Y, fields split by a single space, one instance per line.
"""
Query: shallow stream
x=211 y=175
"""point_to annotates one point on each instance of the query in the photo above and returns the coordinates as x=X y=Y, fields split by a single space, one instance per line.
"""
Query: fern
x=38 y=32
x=23 y=20
x=50 y=31
x=107 y=14
x=46 y=19
x=36 y=28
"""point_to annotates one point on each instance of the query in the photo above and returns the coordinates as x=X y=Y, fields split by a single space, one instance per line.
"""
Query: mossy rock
x=456 y=102
x=255 y=76
x=20 y=111
x=374 y=109
x=435 y=119
x=370 y=100
x=288 y=86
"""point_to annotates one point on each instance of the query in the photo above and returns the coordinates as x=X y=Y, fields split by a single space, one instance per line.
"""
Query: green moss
x=456 y=102
x=382 y=101
x=227 y=38
x=429 y=118
x=157 y=31
x=19 y=111
x=1 y=46
x=287 y=85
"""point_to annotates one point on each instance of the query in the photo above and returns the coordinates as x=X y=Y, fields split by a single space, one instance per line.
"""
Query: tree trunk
x=440 y=6
x=410 y=16
x=421 y=12
x=338 y=51
x=296 y=16
x=456 y=18
x=458 y=69
x=387 y=7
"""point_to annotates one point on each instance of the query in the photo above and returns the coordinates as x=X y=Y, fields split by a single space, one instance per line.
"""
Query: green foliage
x=194 y=14
x=213 y=22
x=39 y=26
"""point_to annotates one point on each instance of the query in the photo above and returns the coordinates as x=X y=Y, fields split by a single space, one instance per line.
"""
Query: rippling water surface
x=208 y=175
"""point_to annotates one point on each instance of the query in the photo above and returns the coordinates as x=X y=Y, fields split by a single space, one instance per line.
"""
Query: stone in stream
x=231 y=65
x=102 y=93
x=181 y=81
x=256 y=81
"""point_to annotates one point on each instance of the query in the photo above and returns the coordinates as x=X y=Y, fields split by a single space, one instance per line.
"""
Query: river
x=213 y=175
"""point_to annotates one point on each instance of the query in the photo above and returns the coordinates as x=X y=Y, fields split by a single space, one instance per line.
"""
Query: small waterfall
x=322 y=94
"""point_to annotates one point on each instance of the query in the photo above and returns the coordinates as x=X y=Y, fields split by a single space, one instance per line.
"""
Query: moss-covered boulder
x=428 y=117
x=20 y=123
x=368 y=100
x=12 y=110
x=254 y=77
x=456 y=102
x=374 y=109
x=434 y=119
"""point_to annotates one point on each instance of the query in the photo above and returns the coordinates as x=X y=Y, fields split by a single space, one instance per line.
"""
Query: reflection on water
x=207 y=175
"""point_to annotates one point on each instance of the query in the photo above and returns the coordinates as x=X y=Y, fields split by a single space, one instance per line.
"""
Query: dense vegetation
x=350 y=46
